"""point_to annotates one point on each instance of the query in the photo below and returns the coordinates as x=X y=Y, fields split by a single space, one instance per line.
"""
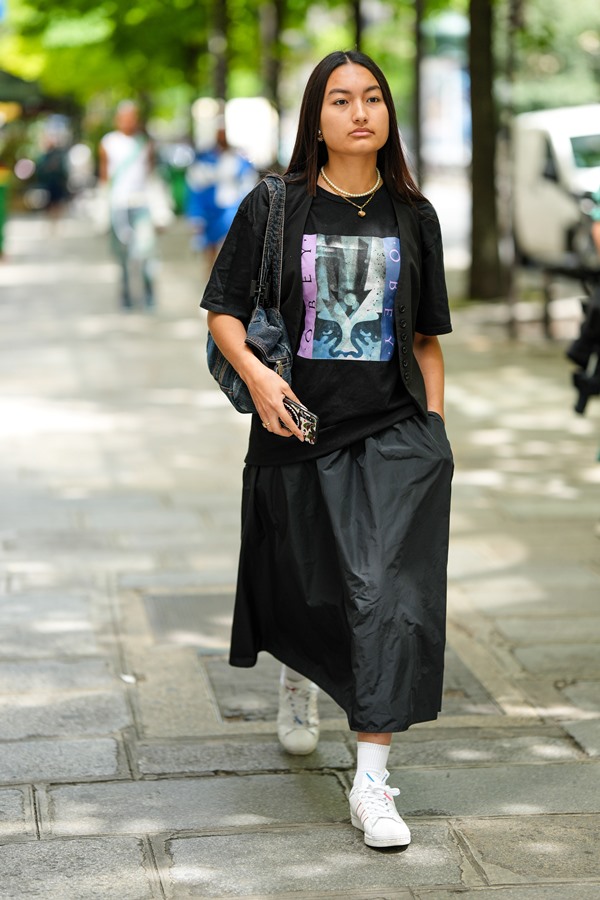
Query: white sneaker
x=373 y=811
x=298 y=717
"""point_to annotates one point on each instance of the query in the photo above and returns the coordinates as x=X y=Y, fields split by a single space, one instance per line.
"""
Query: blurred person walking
x=125 y=166
x=343 y=562
x=217 y=181
x=52 y=176
x=5 y=176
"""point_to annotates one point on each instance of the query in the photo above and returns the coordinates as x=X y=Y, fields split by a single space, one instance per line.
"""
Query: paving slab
x=584 y=694
x=16 y=813
x=54 y=577
x=560 y=660
x=536 y=591
x=587 y=735
x=61 y=715
x=502 y=790
x=253 y=694
x=470 y=746
x=86 y=869
x=60 y=760
x=101 y=561
x=54 y=675
x=161 y=541
x=180 y=579
x=28 y=507
x=195 y=803
x=571 y=629
x=59 y=541
x=567 y=890
x=37 y=625
x=463 y=693
x=528 y=850
x=580 y=508
x=172 y=696
x=242 y=755
x=120 y=516
x=476 y=553
x=201 y=620
x=322 y=859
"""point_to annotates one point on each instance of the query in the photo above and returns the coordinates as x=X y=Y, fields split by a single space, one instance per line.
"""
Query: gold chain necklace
x=344 y=193
x=361 y=209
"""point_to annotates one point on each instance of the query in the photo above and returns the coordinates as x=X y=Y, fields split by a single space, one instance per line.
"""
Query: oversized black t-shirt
x=347 y=363
x=347 y=369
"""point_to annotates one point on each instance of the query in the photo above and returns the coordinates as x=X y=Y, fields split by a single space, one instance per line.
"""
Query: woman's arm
x=102 y=164
x=596 y=232
x=265 y=385
x=428 y=354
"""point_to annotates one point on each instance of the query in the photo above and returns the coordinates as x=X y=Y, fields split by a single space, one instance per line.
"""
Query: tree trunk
x=219 y=48
x=484 y=281
x=358 y=23
x=272 y=18
x=416 y=151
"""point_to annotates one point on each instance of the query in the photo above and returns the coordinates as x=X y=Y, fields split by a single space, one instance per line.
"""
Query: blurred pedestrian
x=4 y=182
x=125 y=166
x=217 y=181
x=52 y=176
x=342 y=572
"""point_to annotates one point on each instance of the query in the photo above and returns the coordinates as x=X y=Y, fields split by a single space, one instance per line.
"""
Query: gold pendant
x=361 y=213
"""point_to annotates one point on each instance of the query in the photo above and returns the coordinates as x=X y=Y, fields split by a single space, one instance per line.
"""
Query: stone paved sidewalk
x=134 y=762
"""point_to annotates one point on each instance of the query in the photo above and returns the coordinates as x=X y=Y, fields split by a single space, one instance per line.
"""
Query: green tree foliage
x=557 y=54
x=83 y=48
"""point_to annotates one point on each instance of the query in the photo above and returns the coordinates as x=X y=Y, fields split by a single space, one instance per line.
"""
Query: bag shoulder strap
x=268 y=289
x=125 y=164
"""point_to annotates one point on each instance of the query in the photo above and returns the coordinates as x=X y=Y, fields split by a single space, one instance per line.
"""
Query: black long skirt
x=342 y=572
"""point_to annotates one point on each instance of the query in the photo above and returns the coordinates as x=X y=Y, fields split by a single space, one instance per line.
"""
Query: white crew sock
x=288 y=674
x=370 y=757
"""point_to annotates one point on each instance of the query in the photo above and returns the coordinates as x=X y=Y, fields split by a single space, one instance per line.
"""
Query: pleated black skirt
x=342 y=572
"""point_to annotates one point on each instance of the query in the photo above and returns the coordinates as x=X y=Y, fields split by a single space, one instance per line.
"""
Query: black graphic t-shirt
x=344 y=280
x=346 y=369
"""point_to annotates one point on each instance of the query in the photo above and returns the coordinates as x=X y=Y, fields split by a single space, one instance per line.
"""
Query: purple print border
x=391 y=246
x=309 y=291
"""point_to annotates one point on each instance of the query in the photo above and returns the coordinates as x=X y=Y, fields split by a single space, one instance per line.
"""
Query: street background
x=135 y=763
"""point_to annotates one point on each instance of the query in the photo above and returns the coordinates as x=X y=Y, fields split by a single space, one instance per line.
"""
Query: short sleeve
x=433 y=316
x=238 y=263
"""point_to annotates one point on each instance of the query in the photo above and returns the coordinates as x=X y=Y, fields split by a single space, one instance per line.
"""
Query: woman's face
x=354 y=118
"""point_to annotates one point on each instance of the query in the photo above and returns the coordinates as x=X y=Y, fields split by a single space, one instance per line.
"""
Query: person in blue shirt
x=217 y=181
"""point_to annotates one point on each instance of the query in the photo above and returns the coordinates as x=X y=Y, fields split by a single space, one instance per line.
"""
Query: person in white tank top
x=126 y=163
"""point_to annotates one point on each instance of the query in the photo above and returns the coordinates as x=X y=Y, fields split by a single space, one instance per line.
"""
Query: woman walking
x=342 y=573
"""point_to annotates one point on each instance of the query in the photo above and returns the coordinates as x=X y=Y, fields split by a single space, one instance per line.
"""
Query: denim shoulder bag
x=266 y=332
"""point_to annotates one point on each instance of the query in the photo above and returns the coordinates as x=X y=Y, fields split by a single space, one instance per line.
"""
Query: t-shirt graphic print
x=349 y=285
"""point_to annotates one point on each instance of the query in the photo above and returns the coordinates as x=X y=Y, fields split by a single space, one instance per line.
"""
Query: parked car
x=556 y=170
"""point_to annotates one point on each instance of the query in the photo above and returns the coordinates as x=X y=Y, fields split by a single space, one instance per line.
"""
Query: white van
x=556 y=166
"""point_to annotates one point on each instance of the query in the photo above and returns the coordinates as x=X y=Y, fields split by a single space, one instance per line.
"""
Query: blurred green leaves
x=94 y=27
x=81 y=48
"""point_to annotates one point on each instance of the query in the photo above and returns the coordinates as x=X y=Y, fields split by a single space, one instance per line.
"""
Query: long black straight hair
x=309 y=154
